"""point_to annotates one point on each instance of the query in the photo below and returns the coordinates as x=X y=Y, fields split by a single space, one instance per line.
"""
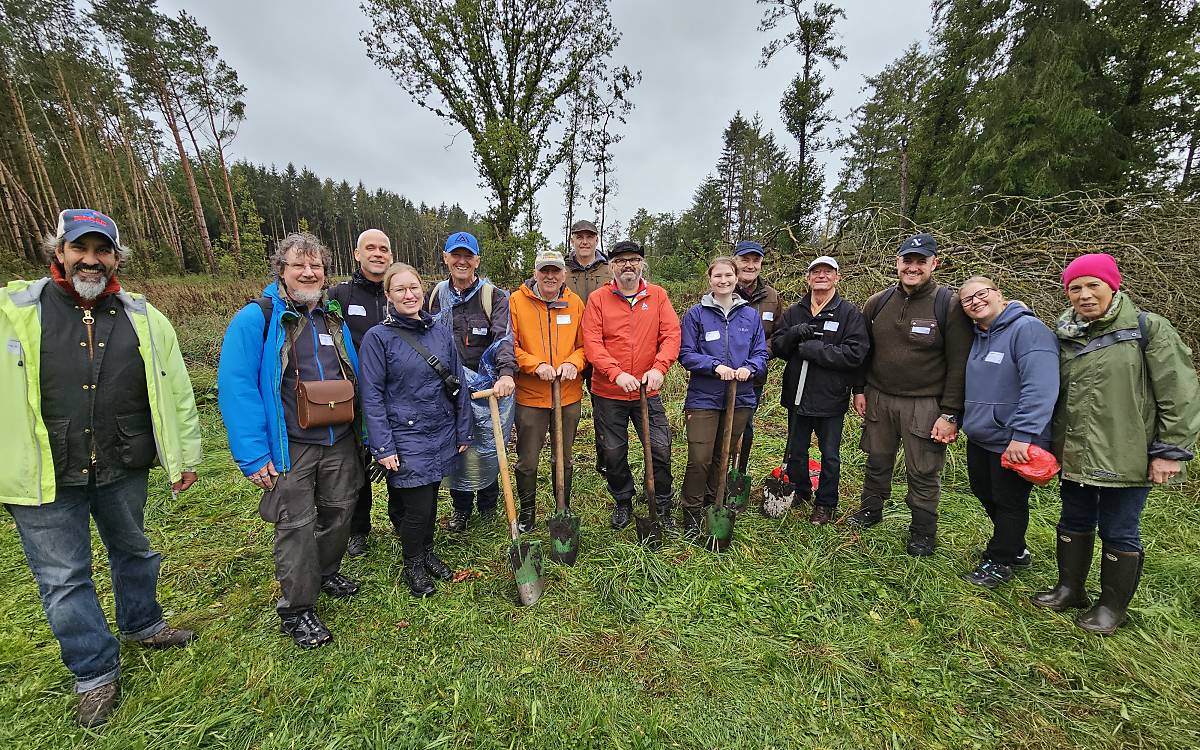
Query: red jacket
x=620 y=336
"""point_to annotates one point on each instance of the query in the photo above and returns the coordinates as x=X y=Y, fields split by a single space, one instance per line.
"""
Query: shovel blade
x=649 y=531
x=739 y=490
x=720 y=528
x=528 y=567
x=564 y=537
x=777 y=497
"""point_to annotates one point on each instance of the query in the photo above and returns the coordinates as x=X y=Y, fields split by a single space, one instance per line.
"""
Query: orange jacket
x=546 y=335
x=632 y=337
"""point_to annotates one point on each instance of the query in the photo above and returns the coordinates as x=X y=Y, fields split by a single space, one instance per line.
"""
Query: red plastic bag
x=1041 y=468
x=814 y=472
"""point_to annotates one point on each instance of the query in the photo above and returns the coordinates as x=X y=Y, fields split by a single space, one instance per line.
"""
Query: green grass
x=797 y=637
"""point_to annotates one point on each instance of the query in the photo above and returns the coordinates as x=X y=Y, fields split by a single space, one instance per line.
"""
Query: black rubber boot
x=1120 y=573
x=1074 y=555
x=693 y=523
x=527 y=495
x=435 y=567
x=664 y=515
x=417 y=577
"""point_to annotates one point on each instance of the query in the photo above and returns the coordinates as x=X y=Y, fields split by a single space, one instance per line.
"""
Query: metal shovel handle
x=560 y=468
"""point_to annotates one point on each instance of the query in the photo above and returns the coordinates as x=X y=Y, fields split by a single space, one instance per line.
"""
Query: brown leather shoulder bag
x=324 y=403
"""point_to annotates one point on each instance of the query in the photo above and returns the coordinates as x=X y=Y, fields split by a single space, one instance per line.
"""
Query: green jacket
x=27 y=473
x=1118 y=406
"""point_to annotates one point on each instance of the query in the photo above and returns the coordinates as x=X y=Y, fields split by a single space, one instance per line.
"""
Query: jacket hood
x=529 y=289
x=710 y=301
x=420 y=324
x=1013 y=311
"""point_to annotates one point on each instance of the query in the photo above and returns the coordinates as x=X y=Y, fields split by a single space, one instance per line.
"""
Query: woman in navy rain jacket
x=414 y=427
x=722 y=340
x=1012 y=384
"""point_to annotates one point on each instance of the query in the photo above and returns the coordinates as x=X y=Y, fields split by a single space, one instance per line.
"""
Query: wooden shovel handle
x=649 y=455
x=726 y=439
x=502 y=455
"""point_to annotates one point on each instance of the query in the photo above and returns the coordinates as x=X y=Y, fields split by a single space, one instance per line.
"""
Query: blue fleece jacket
x=709 y=338
x=249 y=375
x=1012 y=381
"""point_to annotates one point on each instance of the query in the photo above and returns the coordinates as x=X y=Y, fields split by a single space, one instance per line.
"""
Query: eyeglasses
x=626 y=261
x=980 y=296
x=302 y=266
x=405 y=290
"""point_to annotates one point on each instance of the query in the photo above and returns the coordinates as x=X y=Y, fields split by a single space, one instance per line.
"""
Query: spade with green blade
x=564 y=525
x=649 y=529
x=720 y=516
x=738 y=481
x=525 y=557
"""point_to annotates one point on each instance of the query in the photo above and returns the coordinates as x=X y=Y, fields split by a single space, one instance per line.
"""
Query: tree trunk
x=35 y=171
x=905 y=218
x=89 y=172
x=212 y=188
x=1188 y=163
x=189 y=177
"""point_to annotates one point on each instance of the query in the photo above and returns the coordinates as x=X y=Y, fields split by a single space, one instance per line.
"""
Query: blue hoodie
x=1012 y=381
x=709 y=338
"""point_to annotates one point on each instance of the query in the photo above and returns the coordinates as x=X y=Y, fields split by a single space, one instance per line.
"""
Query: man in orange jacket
x=631 y=338
x=547 y=340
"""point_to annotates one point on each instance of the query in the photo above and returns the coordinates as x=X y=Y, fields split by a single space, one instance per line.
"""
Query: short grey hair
x=52 y=243
x=308 y=246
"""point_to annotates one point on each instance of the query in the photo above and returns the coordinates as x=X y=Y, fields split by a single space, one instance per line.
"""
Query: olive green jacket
x=1119 y=406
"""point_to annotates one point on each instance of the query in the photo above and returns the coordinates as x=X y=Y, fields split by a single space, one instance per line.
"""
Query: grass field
x=796 y=637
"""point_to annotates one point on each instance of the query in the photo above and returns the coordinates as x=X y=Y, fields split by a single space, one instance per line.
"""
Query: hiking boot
x=339 y=586
x=169 y=637
x=458 y=522
x=989 y=574
x=1074 y=554
x=821 y=515
x=1119 y=575
x=664 y=517
x=526 y=518
x=921 y=545
x=621 y=515
x=866 y=518
x=357 y=545
x=306 y=629
x=417 y=577
x=97 y=704
x=435 y=566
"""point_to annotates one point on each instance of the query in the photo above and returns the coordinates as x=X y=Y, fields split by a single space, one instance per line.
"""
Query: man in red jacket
x=631 y=338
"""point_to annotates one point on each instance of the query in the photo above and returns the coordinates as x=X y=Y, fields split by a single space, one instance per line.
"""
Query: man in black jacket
x=364 y=305
x=824 y=340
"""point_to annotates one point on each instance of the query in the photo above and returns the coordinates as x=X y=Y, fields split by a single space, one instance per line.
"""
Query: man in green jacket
x=96 y=392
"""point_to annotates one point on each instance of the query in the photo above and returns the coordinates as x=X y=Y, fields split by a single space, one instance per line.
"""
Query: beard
x=90 y=290
x=304 y=298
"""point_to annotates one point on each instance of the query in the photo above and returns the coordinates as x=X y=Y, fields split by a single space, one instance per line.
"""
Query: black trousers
x=360 y=522
x=611 y=419
x=1004 y=495
x=418 y=506
x=829 y=441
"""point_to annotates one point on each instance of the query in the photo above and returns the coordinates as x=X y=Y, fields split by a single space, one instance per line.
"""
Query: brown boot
x=97 y=704
x=169 y=637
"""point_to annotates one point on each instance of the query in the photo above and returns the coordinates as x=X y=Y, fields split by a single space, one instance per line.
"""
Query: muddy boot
x=97 y=704
x=417 y=577
x=1119 y=576
x=526 y=517
x=527 y=495
x=1074 y=554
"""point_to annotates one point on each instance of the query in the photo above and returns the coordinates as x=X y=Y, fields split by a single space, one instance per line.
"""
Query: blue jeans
x=1116 y=510
x=58 y=545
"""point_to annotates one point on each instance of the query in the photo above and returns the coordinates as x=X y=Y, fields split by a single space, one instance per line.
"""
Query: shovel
x=738 y=482
x=525 y=557
x=649 y=530
x=720 y=518
x=563 y=525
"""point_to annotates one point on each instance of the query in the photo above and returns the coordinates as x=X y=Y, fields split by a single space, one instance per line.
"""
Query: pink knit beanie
x=1101 y=265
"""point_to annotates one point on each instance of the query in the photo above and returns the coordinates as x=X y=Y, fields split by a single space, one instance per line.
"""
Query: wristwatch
x=950 y=418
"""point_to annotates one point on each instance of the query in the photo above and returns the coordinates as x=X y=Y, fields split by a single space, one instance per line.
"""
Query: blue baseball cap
x=76 y=222
x=745 y=247
x=462 y=239
x=919 y=244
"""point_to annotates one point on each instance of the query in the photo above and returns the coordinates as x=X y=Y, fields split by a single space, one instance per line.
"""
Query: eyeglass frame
x=979 y=296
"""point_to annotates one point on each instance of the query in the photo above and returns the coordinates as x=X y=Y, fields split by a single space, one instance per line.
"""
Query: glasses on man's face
x=316 y=267
x=404 y=291
x=626 y=261
x=980 y=296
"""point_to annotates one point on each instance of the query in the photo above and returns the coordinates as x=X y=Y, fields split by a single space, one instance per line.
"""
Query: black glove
x=804 y=331
x=376 y=472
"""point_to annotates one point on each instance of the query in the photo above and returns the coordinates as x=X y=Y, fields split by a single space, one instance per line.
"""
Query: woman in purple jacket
x=1012 y=384
x=722 y=340
x=417 y=415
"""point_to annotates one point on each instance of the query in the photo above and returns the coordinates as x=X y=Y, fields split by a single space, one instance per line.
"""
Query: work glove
x=376 y=473
x=802 y=332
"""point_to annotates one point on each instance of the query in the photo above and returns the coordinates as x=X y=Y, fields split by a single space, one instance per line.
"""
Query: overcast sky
x=315 y=99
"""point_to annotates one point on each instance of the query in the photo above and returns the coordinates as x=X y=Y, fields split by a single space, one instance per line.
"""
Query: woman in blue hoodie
x=416 y=424
x=1012 y=384
x=722 y=340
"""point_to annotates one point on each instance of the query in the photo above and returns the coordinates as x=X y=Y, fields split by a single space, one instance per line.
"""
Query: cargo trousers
x=892 y=420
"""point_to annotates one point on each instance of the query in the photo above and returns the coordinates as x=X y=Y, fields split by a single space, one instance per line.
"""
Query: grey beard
x=88 y=290
x=304 y=298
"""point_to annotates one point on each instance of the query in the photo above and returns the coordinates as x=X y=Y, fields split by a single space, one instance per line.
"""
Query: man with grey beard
x=96 y=392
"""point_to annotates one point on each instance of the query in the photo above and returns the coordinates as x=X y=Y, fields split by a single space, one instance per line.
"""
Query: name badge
x=479 y=331
x=768 y=315
x=14 y=347
x=356 y=310
x=326 y=339
x=712 y=335
x=563 y=320
x=994 y=357
x=831 y=325
x=922 y=329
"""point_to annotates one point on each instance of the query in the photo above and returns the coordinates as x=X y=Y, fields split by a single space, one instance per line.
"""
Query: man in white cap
x=823 y=338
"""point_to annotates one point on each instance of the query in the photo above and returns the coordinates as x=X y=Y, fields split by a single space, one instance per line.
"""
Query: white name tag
x=921 y=329
x=14 y=347
x=479 y=331
x=563 y=320
x=356 y=310
x=994 y=357
x=712 y=335
x=768 y=315
x=830 y=325
x=326 y=339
